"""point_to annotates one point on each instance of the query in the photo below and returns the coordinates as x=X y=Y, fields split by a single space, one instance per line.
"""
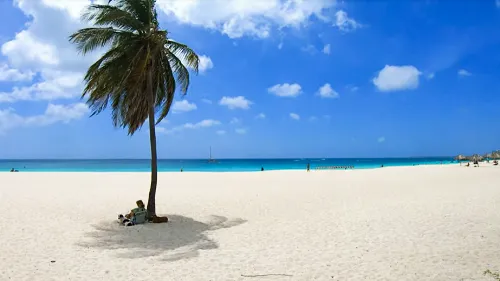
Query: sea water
x=203 y=165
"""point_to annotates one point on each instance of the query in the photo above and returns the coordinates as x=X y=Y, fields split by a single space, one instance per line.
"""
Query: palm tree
x=138 y=75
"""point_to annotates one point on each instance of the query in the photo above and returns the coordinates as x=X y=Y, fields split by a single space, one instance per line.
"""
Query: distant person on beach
x=381 y=166
x=182 y=170
x=308 y=167
x=261 y=169
x=13 y=170
x=136 y=216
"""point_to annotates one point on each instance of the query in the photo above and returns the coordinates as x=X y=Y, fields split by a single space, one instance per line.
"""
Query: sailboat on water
x=211 y=160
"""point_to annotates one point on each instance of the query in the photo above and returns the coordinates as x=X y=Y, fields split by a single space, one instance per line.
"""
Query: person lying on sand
x=136 y=216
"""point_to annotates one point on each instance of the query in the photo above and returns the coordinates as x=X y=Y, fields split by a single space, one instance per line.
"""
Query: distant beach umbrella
x=476 y=157
x=495 y=154
x=488 y=156
x=460 y=158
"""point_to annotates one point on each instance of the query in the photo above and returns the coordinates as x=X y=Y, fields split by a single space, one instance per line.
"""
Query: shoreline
x=315 y=169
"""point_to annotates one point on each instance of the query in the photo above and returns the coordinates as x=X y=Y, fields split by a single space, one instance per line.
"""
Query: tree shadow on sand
x=180 y=238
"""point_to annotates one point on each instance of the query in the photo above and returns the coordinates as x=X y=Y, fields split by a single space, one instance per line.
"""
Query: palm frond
x=184 y=53
x=89 y=39
x=138 y=51
x=166 y=87
x=107 y=15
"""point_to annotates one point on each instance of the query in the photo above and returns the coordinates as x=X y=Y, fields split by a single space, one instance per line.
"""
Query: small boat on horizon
x=211 y=160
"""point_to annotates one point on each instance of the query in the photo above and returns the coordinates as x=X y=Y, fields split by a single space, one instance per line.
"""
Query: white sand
x=407 y=223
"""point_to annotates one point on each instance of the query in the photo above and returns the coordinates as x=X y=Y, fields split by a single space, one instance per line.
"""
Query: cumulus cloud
x=344 y=23
x=54 y=85
x=326 y=49
x=193 y=126
x=205 y=64
x=294 y=116
x=54 y=113
x=40 y=49
x=183 y=106
x=381 y=139
x=238 y=18
x=326 y=91
x=463 y=73
x=12 y=74
x=239 y=102
x=220 y=132
x=207 y=101
x=234 y=120
x=285 y=90
x=396 y=78
x=260 y=116
x=241 y=131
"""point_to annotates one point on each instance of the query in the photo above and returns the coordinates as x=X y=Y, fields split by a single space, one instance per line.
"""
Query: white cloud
x=202 y=124
x=260 y=116
x=241 y=131
x=54 y=113
x=344 y=23
x=395 y=78
x=309 y=49
x=280 y=45
x=326 y=91
x=294 y=116
x=12 y=74
x=285 y=90
x=207 y=101
x=381 y=139
x=326 y=49
x=41 y=49
x=54 y=85
x=237 y=18
x=193 y=126
x=352 y=88
x=431 y=75
x=235 y=102
x=234 y=120
x=220 y=132
x=463 y=73
x=25 y=49
x=313 y=118
x=205 y=64
x=183 y=106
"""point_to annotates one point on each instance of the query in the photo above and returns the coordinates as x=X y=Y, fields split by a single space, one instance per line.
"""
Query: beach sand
x=401 y=223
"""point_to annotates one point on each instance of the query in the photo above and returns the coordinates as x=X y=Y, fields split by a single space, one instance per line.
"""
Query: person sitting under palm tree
x=136 y=215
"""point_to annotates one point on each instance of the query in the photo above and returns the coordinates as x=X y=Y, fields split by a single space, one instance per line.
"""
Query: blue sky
x=279 y=78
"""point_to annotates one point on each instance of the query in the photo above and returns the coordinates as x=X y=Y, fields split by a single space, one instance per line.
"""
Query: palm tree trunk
x=154 y=165
x=152 y=139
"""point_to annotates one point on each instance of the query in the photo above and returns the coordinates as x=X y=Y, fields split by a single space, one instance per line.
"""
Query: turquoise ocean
x=202 y=165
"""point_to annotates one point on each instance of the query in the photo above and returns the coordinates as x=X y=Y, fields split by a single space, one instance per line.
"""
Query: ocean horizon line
x=230 y=158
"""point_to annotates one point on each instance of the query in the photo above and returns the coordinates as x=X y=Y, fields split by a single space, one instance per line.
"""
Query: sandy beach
x=402 y=223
